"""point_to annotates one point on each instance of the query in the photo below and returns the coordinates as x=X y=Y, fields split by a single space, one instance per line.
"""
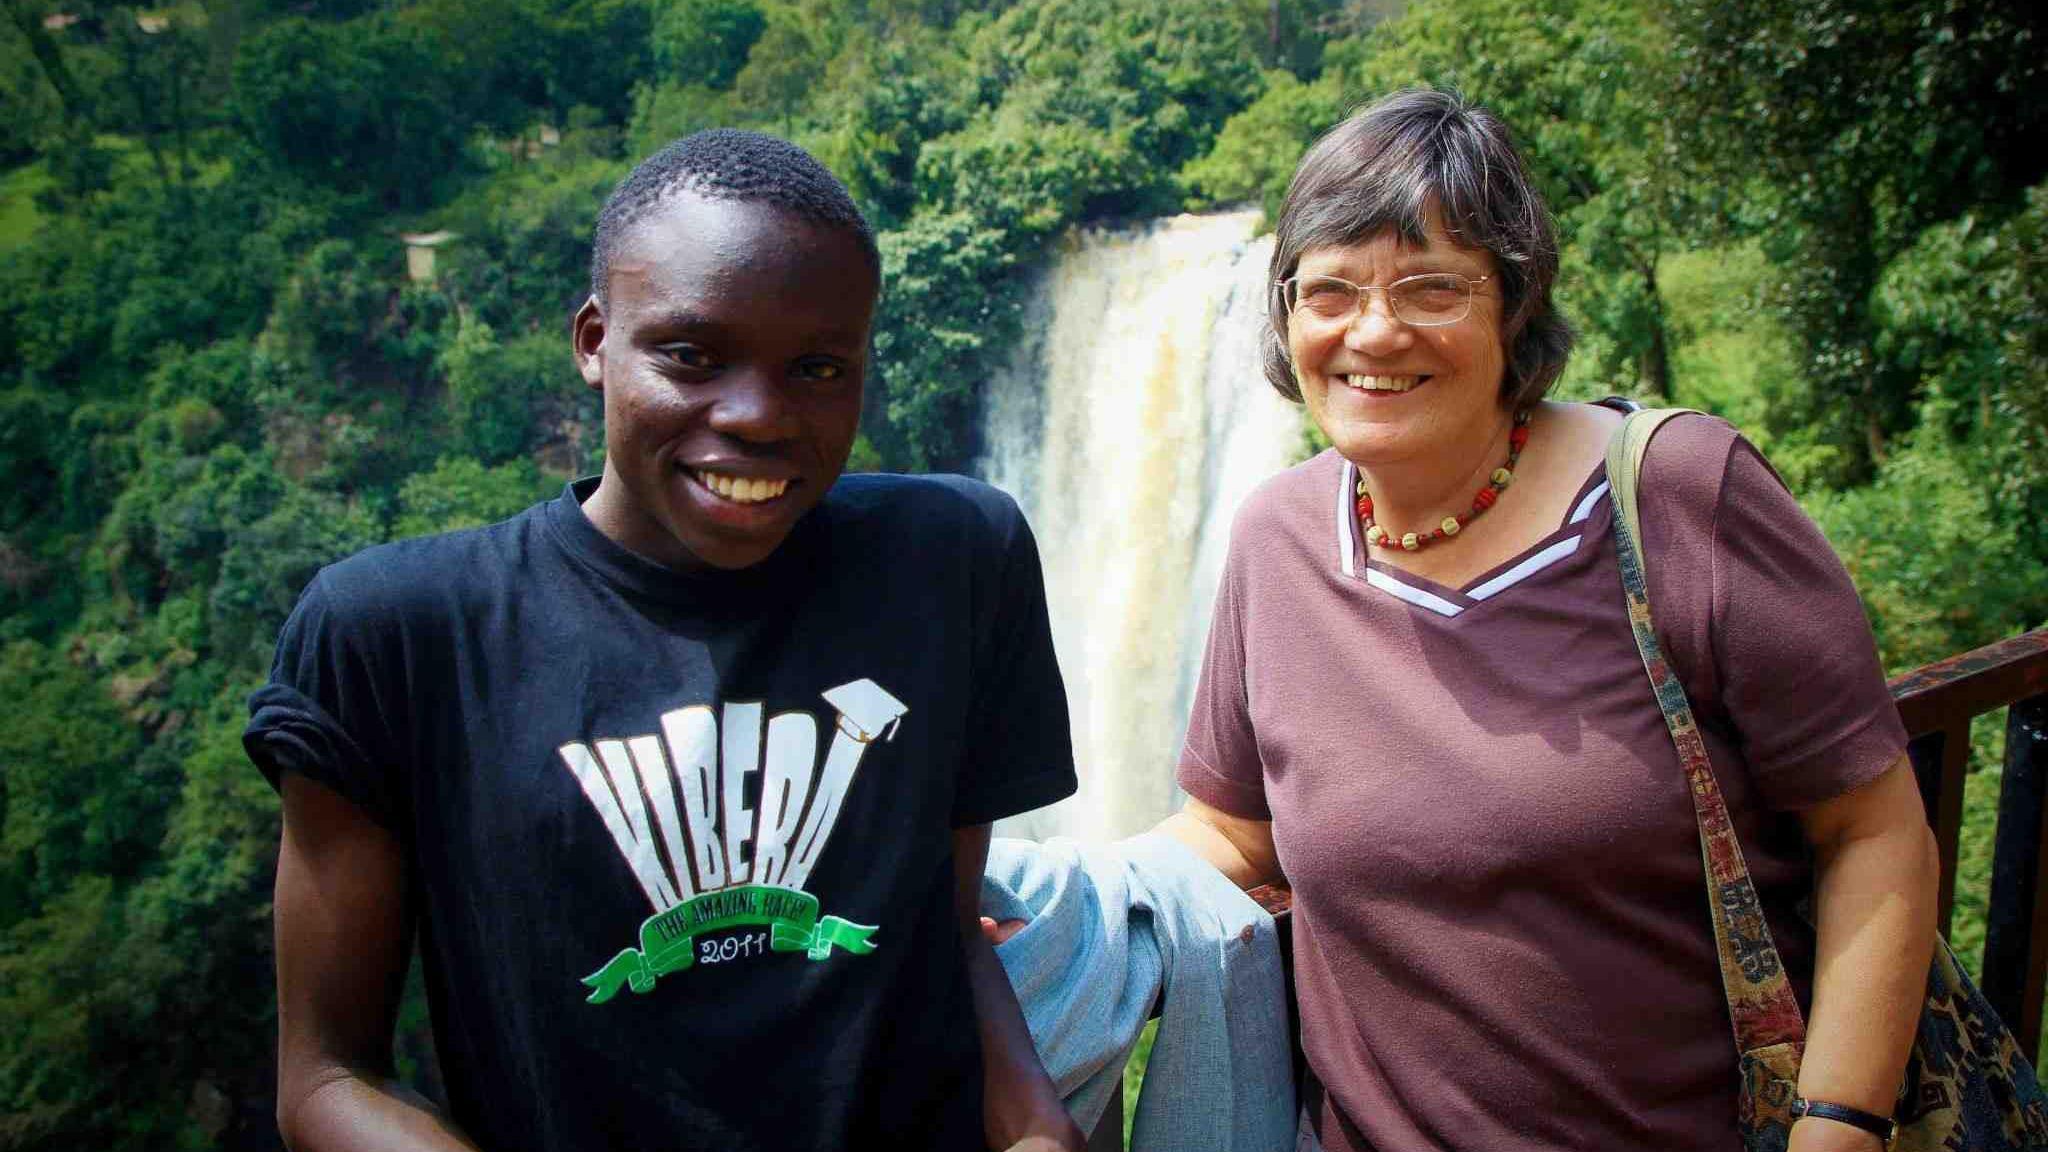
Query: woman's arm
x=1021 y=1110
x=341 y=955
x=1240 y=848
x=1876 y=866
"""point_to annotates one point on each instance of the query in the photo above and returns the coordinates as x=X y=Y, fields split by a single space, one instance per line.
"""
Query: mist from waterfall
x=1130 y=425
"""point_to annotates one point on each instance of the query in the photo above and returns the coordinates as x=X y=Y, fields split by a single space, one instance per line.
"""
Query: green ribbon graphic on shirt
x=668 y=939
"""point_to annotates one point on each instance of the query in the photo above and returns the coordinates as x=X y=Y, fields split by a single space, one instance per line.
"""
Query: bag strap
x=1760 y=1001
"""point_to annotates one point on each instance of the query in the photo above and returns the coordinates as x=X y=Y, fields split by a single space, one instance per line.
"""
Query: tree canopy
x=1824 y=219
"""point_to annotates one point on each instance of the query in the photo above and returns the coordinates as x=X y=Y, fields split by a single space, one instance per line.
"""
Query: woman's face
x=1386 y=392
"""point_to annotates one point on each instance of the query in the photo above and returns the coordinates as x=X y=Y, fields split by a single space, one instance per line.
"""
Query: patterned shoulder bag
x=1968 y=1088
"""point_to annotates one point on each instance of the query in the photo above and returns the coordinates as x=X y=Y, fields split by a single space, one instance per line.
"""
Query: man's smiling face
x=731 y=349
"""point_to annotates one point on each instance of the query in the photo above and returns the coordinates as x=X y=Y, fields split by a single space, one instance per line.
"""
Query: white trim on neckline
x=1585 y=507
x=1526 y=568
x=1410 y=593
x=1346 y=481
x=1422 y=598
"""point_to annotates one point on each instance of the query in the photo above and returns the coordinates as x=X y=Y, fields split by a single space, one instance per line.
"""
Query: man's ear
x=586 y=335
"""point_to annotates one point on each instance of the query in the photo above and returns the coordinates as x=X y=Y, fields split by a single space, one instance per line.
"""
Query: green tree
x=1257 y=149
x=952 y=301
x=1851 y=126
x=784 y=61
x=361 y=107
x=522 y=259
x=327 y=308
x=1916 y=539
x=912 y=86
x=266 y=562
x=706 y=41
x=459 y=492
x=500 y=393
x=1963 y=314
x=158 y=92
x=73 y=807
x=1084 y=109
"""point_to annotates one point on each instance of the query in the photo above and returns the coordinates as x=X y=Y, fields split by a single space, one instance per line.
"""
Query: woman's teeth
x=741 y=490
x=1383 y=383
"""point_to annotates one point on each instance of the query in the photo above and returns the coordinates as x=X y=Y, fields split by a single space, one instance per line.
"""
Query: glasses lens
x=1325 y=297
x=1431 y=299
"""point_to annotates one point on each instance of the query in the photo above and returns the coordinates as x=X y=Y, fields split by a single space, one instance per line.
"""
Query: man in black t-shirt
x=683 y=779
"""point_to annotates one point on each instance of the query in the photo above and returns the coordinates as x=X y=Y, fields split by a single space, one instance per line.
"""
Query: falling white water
x=1131 y=423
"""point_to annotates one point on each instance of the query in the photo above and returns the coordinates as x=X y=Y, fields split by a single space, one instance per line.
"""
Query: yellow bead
x=1450 y=525
x=1502 y=477
x=1410 y=542
x=1375 y=535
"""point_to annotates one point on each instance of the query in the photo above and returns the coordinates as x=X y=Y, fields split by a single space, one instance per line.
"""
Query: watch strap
x=1882 y=1127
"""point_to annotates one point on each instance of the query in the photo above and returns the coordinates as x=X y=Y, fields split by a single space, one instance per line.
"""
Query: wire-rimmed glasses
x=1429 y=300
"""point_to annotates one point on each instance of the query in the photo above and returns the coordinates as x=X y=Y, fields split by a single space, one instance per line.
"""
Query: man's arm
x=342 y=943
x=1021 y=1110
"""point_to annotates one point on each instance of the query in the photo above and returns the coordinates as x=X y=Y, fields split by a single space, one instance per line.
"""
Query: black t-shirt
x=681 y=843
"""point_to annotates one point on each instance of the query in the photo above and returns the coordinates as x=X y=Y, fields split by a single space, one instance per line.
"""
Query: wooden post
x=1940 y=760
x=2016 y=929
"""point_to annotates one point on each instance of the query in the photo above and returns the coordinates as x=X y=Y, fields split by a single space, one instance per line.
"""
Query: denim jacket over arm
x=1111 y=932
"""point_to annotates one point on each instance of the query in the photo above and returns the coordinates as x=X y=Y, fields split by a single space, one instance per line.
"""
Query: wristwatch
x=1882 y=1127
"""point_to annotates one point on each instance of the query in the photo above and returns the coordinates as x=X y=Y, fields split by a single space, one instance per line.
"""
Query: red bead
x=1437 y=535
x=1484 y=500
x=1365 y=505
x=1519 y=436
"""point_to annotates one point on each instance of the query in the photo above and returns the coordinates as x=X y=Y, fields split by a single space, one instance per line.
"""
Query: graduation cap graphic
x=866 y=710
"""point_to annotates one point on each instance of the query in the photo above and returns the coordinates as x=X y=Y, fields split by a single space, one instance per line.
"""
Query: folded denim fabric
x=1115 y=929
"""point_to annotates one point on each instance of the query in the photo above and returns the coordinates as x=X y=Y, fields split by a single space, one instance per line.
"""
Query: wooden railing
x=1937 y=704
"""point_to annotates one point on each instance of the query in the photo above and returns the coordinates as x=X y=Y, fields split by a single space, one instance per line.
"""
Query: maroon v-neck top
x=1500 y=922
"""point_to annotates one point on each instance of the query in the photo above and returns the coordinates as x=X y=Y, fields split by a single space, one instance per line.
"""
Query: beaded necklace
x=1502 y=476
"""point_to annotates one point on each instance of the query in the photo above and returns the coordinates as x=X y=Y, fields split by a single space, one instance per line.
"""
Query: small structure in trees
x=419 y=253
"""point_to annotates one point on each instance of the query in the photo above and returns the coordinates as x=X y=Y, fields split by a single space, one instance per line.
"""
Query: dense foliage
x=1823 y=218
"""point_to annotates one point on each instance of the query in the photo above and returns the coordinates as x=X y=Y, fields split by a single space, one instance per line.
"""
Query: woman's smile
x=1383 y=385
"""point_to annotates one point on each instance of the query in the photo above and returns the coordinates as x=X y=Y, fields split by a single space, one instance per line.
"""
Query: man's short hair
x=729 y=164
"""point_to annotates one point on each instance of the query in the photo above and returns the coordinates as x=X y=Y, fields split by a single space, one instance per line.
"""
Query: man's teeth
x=741 y=490
x=1383 y=383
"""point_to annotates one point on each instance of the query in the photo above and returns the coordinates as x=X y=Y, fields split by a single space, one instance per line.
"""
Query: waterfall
x=1131 y=423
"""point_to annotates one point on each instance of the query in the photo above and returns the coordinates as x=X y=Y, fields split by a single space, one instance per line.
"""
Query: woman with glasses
x=1422 y=705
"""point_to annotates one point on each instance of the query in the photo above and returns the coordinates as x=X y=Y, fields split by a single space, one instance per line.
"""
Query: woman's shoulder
x=1690 y=443
x=1305 y=497
x=1314 y=481
x=1700 y=470
x=1693 y=448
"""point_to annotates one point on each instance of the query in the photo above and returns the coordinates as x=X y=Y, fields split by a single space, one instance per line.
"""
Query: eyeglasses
x=1430 y=300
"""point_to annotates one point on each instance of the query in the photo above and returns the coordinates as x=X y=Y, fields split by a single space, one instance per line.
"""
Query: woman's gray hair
x=1382 y=170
